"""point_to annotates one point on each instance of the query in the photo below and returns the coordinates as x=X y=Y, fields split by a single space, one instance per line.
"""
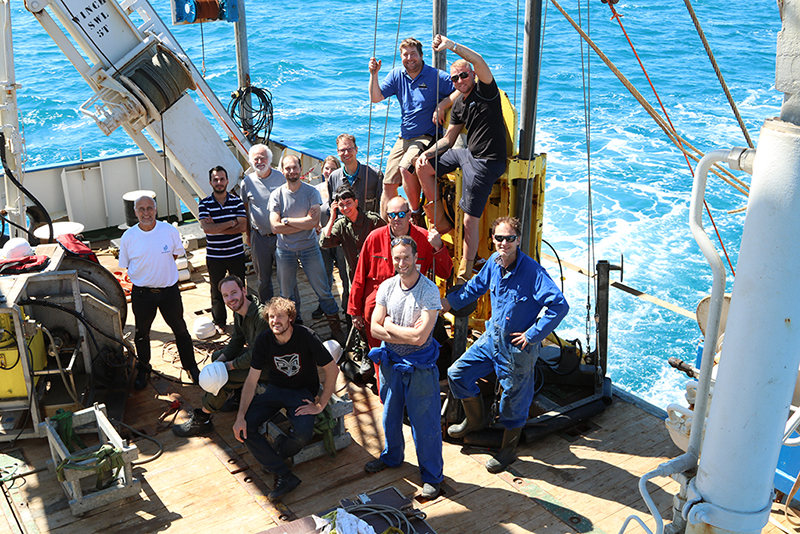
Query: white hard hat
x=17 y=247
x=213 y=377
x=334 y=348
x=203 y=328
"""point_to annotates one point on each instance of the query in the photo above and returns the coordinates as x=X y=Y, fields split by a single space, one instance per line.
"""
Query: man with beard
x=290 y=355
x=406 y=308
x=249 y=322
x=423 y=93
x=223 y=218
x=294 y=215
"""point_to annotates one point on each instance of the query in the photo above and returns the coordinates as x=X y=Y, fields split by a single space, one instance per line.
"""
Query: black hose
x=259 y=107
x=560 y=268
x=27 y=193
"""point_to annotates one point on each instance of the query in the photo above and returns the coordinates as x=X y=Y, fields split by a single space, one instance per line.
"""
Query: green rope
x=107 y=458
x=324 y=424
x=63 y=419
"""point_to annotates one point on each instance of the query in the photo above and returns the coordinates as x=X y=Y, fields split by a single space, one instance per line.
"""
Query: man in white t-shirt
x=149 y=250
x=406 y=307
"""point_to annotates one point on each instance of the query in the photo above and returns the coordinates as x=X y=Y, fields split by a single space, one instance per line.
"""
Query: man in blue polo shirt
x=423 y=93
x=223 y=219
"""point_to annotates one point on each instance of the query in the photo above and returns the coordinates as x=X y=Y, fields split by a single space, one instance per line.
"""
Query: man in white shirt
x=149 y=250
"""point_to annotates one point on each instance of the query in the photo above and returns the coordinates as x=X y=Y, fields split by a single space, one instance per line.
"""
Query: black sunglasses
x=400 y=214
x=462 y=75
x=501 y=238
x=404 y=240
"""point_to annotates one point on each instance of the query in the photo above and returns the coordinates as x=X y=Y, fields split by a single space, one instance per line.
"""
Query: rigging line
x=721 y=79
x=516 y=58
x=374 y=52
x=389 y=102
x=203 y=49
x=590 y=252
x=679 y=141
x=166 y=172
x=618 y=17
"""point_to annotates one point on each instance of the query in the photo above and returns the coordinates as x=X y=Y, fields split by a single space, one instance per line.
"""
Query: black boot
x=506 y=455
x=199 y=424
x=336 y=329
x=232 y=403
x=473 y=418
x=283 y=485
x=142 y=376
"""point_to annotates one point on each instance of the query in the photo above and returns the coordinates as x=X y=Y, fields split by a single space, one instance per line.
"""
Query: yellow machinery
x=12 y=374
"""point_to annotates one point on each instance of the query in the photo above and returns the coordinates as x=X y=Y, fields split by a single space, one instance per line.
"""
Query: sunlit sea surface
x=312 y=56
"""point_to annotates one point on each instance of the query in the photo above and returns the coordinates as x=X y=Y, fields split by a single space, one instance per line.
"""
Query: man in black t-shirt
x=479 y=109
x=290 y=354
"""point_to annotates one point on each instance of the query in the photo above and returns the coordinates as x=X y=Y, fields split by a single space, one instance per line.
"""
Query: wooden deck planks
x=189 y=489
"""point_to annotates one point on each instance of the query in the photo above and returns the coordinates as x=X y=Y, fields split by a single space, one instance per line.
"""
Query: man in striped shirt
x=223 y=219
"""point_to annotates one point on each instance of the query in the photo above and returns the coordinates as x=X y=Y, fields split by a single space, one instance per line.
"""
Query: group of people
x=385 y=261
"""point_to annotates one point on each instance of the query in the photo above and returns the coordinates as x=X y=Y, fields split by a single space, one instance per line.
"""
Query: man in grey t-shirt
x=406 y=307
x=255 y=191
x=294 y=210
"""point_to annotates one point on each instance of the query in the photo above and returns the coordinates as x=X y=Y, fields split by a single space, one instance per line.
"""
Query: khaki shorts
x=403 y=154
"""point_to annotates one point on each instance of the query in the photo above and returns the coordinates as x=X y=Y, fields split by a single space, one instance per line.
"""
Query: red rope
x=618 y=18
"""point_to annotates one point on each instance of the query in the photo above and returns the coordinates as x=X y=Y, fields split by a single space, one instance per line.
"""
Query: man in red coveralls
x=375 y=262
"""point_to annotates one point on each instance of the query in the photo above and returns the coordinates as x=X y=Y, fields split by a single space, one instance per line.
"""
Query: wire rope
x=717 y=71
x=591 y=282
x=616 y=16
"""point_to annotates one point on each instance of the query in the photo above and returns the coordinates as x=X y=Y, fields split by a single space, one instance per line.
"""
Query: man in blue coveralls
x=520 y=289
x=405 y=313
x=423 y=93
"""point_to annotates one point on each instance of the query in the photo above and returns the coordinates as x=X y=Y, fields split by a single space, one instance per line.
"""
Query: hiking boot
x=199 y=424
x=429 y=491
x=318 y=313
x=376 y=466
x=418 y=218
x=283 y=485
x=142 y=376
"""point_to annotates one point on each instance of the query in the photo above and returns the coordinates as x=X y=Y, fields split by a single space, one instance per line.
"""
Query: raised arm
x=375 y=94
x=479 y=65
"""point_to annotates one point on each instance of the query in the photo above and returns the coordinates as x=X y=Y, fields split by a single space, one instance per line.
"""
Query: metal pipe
x=717 y=294
x=530 y=78
x=440 y=27
x=758 y=370
x=243 y=68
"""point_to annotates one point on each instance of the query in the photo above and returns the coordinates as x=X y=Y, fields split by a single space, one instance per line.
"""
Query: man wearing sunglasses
x=423 y=93
x=348 y=231
x=519 y=289
x=479 y=108
x=375 y=262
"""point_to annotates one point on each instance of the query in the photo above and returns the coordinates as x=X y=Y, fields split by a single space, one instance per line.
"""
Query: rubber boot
x=336 y=328
x=464 y=271
x=506 y=454
x=473 y=420
x=440 y=222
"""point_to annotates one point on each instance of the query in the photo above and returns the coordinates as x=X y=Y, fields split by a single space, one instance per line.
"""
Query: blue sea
x=312 y=56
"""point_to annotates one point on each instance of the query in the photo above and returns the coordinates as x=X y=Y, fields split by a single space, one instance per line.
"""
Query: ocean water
x=313 y=58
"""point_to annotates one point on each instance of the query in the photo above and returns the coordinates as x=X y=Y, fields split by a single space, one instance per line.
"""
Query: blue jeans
x=314 y=267
x=514 y=368
x=262 y=409
x=262 y=248
x=417 y=392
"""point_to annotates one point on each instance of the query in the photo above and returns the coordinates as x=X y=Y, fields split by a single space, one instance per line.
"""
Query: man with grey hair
x=149 y=250
x=255 y=191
